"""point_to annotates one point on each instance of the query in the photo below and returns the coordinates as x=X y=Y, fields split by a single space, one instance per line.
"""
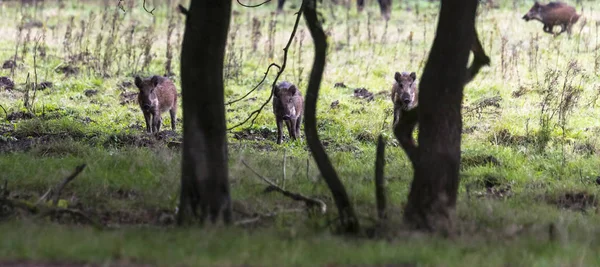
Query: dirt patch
x=585 y=148
x=479 y=160
x=339 y=85
x=44 y=85
x=6 y=83
x=575 y=201
x=9 y=64
x=68 y=70
x=14 y=144
x=126 y=84
x=142 y=139
x=127 y=97
x=505 y=138
x=33 y=24
x=90 y=92
x=20 y=115
x=363 y=93
x=335 y=104
x=366 y=137
x=255 y=134
x=520 y=92
x=483 y=106
x=494 y=187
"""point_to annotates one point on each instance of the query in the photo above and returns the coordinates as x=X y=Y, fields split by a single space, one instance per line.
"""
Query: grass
x=545 y=177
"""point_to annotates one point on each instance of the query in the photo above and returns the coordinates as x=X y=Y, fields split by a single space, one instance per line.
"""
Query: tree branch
x=183 y=10
x=257 y=112
x=5 y=113
x=255 y=87
x=146 y=9
x=480 y=59
x=348 y=219
x=403 y=130
x=252 y=6
x=310 y=202
x=67 y=180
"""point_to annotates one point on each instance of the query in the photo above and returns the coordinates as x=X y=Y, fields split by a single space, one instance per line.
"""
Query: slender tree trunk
x=436 y=160
x=348 y=220
x=204 y=180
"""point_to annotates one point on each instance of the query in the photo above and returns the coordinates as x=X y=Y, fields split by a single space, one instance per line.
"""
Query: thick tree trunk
x=436 y=160
x=348 y=220
x=204 y=180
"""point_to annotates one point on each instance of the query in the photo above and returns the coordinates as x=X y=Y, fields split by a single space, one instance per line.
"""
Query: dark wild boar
x=405 y=94
x=552 y=14
x=157 y=95
x=288 y=105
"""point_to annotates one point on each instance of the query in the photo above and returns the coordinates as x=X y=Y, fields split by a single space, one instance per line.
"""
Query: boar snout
x=287 y=117
x=146 y=107
x=525 y=17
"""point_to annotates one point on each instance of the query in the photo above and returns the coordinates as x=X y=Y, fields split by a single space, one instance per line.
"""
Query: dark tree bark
x=436 y=160
x=380 y=194
x=204 y=178
x=348 y=220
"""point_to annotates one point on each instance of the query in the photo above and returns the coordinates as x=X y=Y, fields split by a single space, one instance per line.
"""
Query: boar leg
x=396 y=114
x=279 y=130
x=293 y=129
x=148 y=118
x=298 y=122
x=288 y=124
x=173 y=113
x=156 y=122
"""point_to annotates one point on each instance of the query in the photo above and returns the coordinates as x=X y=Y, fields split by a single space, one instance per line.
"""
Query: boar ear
x=275 y=91
x=397 y=76
x=155 y=79
x=413 y=76
x=138 y=82
x=536 y=4
x=293 y=90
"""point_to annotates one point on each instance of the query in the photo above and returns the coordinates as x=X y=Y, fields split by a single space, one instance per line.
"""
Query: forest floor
x=530 y=176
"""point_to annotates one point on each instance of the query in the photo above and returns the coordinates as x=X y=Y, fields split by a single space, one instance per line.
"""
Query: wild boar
x=288 y=106
x=405 y=94
x=552 y=14
x=157 y=95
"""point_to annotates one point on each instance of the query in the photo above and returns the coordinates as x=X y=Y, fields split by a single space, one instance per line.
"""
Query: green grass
x=135 y=179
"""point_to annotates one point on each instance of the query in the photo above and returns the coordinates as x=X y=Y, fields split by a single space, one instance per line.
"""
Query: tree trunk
x=204 y=178
x=348 y=220
x=436 y=160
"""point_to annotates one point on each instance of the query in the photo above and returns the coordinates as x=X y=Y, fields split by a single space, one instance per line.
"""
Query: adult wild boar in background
x=552 y=14
x=157 y=95
x=288 y=106
x=405 y=94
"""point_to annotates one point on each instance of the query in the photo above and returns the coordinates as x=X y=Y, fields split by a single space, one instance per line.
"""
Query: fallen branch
x=72 y=213
x=67 y=180
x=57 y=190
x=310 y=202
x=42 y=210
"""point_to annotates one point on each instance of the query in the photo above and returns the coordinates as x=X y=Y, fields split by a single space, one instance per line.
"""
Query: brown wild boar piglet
x=405 y=94
x=288 y=106
x=552 y=14
x=157 y=95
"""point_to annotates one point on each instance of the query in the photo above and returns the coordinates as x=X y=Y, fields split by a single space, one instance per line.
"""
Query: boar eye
x=290 y=100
